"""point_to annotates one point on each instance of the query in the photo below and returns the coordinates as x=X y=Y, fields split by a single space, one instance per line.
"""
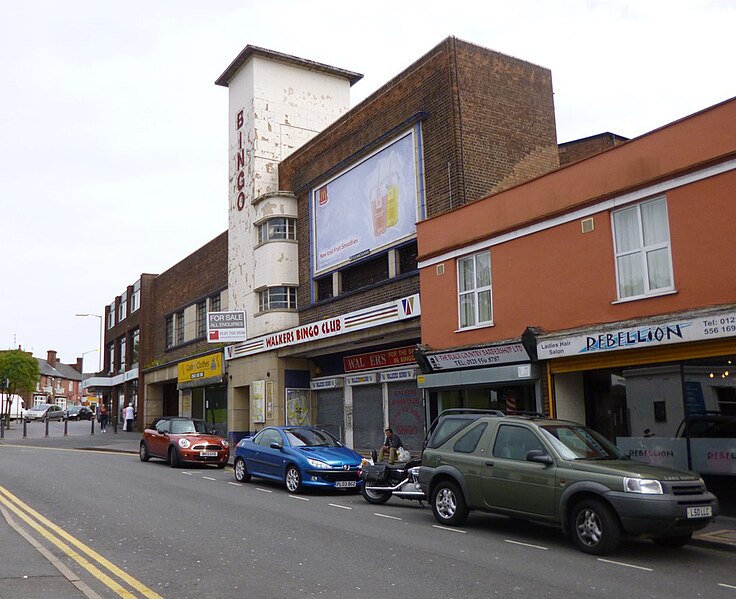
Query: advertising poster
x=372 y=205
x=258 y=401
x=297 y=407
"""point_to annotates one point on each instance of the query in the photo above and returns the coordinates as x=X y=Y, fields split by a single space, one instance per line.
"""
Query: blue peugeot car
x=300 y=456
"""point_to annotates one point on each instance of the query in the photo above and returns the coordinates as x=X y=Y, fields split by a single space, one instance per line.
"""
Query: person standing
x=103 y=418
x=129 y=416
x=390 y=445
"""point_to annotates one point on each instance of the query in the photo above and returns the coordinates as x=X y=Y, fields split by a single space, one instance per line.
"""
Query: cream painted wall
x=569 y=396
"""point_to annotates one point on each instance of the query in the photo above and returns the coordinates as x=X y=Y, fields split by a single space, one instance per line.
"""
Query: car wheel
x=673 y=541
x=448 y=504
x=173 y=457
x=594 y=527
x=143 y=452
x=374 y=497
x=293 y=480
x=241 y=471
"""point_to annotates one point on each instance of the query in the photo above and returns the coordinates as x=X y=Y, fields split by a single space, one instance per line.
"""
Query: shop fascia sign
x=712 y=325
x=204 y=367
x=387 y=358
x=402 y=309
x=331 y=383
x=480 y=356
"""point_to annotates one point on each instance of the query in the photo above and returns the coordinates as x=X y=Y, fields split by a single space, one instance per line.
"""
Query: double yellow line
x=66 y=542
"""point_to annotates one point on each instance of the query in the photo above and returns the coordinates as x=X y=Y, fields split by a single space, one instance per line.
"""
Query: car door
x=260 y=458
x=510 y=482
x=158 y=439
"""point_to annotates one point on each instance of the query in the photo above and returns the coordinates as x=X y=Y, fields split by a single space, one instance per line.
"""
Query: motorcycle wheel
x=374 y=497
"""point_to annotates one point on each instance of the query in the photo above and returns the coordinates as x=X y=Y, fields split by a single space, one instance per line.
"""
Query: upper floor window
x=135 y=339
x=123 y=307
x=277 y=298
x=642 y=246
x=277 y=228
x=475 y=298
x=215 y=303
x=111 y=356
x=202 y=318
x=111 y=315
x=135 y=298
x=179 y=328
x=122 y=353
x=169 y=331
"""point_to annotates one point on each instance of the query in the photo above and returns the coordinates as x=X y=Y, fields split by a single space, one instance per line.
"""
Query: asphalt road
x=195 y=532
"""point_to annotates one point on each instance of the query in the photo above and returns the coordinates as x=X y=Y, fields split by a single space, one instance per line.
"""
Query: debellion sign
x=225 y=327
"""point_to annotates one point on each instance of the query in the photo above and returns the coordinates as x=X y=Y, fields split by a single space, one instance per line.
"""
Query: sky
x=113 y=135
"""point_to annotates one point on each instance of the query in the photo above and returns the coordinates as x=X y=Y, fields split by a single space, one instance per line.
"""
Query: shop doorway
x=367 y=417
x=605 y=405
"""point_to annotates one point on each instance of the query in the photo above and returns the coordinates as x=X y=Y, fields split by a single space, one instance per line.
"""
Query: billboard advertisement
x=372 y=205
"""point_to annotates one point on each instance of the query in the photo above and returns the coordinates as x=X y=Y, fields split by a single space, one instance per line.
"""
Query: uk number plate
x=345 y=483
x=700 y=512
x=207 y=454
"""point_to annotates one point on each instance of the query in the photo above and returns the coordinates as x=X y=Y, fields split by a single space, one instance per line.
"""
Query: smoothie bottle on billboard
x=378 y=204
x=392 y=199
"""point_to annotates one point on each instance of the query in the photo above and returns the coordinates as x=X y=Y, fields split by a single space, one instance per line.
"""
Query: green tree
x=19 y=373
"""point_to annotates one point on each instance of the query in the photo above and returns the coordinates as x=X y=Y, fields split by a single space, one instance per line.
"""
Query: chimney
x=51 y=358
x=79 y=365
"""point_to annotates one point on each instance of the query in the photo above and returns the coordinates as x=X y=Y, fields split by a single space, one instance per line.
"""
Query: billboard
x=225 y=327
x=372 y=205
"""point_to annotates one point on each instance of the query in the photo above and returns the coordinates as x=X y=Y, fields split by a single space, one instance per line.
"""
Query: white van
x=17 y=406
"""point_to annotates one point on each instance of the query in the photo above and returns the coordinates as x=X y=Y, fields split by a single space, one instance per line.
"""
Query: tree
x=19 y=372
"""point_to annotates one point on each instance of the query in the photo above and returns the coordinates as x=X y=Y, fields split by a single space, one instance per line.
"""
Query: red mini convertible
x=178 y=439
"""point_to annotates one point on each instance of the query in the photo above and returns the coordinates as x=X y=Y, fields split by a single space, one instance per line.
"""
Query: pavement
x=30 y=570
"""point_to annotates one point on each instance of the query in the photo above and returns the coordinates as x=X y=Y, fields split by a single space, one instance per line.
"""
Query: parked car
x=559 y=472
x=299 y=456
x=44 y=412
x=179 y=440
x=79 y=413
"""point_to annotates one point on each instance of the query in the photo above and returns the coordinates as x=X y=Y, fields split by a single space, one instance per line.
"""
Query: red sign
x=401 y=356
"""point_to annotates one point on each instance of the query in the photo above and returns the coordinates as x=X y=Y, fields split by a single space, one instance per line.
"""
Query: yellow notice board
x=203 y=367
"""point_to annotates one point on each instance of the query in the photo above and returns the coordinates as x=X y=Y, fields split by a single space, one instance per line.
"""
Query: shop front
x=664 y=390
x=501 y=377
x=203 y=390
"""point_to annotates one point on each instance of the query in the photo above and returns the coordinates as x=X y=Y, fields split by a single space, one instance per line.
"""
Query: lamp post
x=101 y=339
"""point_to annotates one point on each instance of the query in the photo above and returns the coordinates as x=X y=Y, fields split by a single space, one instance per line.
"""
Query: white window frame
x=122 y=308
x=135 y=298
x=474 y=292
x=111 y=315
x=268 y=229
x=266 y=301
x=642 y=250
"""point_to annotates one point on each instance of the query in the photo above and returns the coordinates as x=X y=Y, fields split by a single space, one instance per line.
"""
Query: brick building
x=459 y=123
x=601 y=292
x=58 y=383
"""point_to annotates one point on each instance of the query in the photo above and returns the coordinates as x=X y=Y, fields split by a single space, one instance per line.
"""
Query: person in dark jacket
x=390 y=445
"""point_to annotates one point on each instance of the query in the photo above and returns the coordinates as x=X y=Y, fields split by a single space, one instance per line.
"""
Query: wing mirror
x=538 y=456
x=275 y=445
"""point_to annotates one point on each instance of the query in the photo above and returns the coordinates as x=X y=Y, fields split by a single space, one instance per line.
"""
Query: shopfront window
x=510 y=399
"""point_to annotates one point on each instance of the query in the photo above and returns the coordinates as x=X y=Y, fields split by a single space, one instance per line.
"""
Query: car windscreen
x=574 y=442
x=183 y=427
x=300 y=437
x=40 y=408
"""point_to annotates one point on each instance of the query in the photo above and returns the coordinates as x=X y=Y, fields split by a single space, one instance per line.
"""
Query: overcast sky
x=113 y=136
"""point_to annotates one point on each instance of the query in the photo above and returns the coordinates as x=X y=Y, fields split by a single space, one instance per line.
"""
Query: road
x=193 y=532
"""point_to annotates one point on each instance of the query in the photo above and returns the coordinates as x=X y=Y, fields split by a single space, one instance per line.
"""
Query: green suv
x=559 y=472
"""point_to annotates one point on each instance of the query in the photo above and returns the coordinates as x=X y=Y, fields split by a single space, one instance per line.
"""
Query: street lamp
x=101 y=338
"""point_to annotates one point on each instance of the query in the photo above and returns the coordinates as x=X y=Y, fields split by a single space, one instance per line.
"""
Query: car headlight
x=646 y=486
x=224 y=443
x=317 y=463
x=184 y=443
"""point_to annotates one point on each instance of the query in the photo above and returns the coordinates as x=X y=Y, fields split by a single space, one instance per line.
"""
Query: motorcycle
x=382 y=481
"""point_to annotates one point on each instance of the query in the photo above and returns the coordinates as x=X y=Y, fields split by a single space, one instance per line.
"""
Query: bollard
x=115 y=426
x=2 y=427
x=92 y=425
x=66 y=424
x=46 y=422
x=25 y=430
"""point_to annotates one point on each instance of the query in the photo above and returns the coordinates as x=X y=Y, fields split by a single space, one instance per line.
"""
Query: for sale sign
x=225 y=327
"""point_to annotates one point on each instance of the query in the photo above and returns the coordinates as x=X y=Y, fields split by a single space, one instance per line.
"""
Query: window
x=122 y=353
x=135 y=338
x=179 y=328
x=123 y=307
x=277 y=228
x=111 y=315
x=202 y=318
x=364 y=274
x=277 y=298
x=469 y=441
x=111 y=355
x=514 y=442
x=135 y=299
x=475 y=292
x=642 y=246
x=169 y=331
x=215 y=303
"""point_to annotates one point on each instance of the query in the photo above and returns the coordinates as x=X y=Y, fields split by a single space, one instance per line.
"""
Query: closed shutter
x=367 y=417
x=406 y=414
x=330 y=410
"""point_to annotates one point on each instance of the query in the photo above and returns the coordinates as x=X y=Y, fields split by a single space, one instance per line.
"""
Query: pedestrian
x=128 y=416
x=103 y=418
x=390 y=445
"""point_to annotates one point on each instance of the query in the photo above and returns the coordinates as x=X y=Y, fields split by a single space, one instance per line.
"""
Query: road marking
x=727 y=586
x=28 y=514
x=232 y=483
x=297 y=497
x=264 y=490
x=342 y=507
x=450 y=529
x=208 y=478
x=187 y=473
x=608 y=561
x=85 y=450
x=525 y=544
x=386 y=516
